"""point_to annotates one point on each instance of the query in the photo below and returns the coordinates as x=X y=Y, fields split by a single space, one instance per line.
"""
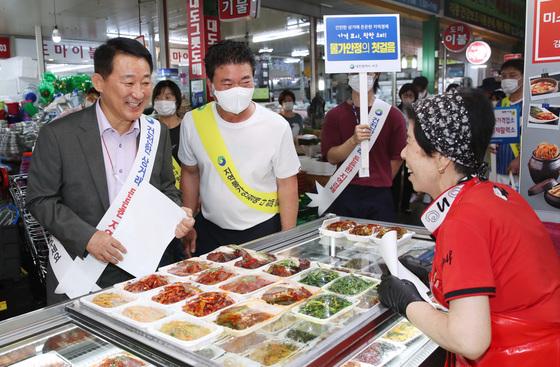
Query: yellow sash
x=211 y=138
x=176 y=172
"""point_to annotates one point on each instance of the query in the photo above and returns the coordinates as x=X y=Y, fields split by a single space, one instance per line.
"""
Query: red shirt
x=491 y=246
x=339 y=126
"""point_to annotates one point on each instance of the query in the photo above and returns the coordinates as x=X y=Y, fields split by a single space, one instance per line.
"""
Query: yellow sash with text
x=211 y=138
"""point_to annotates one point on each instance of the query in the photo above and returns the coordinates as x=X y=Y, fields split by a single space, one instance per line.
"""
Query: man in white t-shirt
x=238 y=158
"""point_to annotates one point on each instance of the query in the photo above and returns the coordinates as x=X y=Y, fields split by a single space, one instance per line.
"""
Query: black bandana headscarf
x=444 y=119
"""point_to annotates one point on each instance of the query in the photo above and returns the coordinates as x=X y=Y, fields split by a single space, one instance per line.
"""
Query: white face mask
x=354 y=82
x=234 y=100
x=165 y=108
x=288 y=106
x=509 y=86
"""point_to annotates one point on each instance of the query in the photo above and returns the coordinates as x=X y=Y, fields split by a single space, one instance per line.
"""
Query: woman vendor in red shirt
x=495 y=267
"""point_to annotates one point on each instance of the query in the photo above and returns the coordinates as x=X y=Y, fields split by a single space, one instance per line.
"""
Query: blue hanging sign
x=362 y=43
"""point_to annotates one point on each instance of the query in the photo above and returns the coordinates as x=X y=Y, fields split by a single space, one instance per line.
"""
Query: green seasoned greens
x=324 y=306
x=319 y=277
x=301 y=336
x=350 y=285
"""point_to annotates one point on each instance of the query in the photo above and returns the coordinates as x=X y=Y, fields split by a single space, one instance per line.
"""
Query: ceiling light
x=56 y=35
x=404 y=62
x=56 y=38
x=291 y=60
x=300 y=53
x=278 y=34
x=414 y=63
x=265 y=50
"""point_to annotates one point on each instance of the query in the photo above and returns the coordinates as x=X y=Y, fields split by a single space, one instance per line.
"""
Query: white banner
x=78 y=277
x=325 y=196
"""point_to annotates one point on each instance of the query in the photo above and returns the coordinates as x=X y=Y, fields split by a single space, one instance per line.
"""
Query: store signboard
x=540 y=143
x=5 y=47
x=362 y=43
x=231 y=10
x=195 y=31
x=478 y=53
x=503 y=16
x=546 y=31
x=512 y=57
x=69 y=52
x=428 y=5
x=179 y=56
x=456 y=37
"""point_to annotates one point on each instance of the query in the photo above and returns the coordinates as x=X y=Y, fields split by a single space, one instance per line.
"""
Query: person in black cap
x=489 y=85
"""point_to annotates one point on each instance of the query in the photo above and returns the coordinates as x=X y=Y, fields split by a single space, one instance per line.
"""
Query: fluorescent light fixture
x=65 y=68
x=404 y=62
x=300 y=53
x=278 y=34
x=56 y=38
x=265 y=50
x=291 y=60
x=479 y=66
x=414 y=63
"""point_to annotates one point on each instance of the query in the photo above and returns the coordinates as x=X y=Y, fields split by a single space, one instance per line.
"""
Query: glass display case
x=355 y=331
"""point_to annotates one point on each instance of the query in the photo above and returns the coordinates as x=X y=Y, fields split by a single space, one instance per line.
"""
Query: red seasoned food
x=285 y=295
x=175 y=292
x=206 y=303
x=364 y=229
x=241 y=317
x=214 y=276
x=66 y=339
x=288 y=267
x=223 y=256
x=254 y=260
x=188 y=267
x=246 y=284
x=122 y=360
x=341 y=226
x=146 y=283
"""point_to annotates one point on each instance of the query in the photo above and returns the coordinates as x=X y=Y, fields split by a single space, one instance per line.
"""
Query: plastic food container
x=378 y=353
x=241 y=344
x=295 y=260
x=237 y=284
x=234 y=297
x=111 y=298
x=179 y=269
x=233 y=360
x=274 y=352
x=325 y=299
x=212 y=331
x=252 y=306
x=404 y=238
x=335 y=285
x=149 y=310
x=123 y=286
x=326 y=232
x=404 y=332
x=203 y=278
x=226 y=249
x=191 y=290
x=279 y=287
x=318 y=277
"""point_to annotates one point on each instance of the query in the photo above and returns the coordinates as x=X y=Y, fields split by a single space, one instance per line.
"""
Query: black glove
x=419 y=268
x=397 y=294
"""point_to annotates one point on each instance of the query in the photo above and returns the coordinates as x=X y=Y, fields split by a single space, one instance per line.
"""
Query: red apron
x=517 y=343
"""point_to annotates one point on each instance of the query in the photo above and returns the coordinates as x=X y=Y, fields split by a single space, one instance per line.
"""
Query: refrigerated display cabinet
x=73 y=334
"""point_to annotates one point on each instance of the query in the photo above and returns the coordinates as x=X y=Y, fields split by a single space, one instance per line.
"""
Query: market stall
x=294 y=330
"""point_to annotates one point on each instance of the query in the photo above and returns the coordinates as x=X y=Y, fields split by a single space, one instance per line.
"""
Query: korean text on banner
x=362 y=43
x=506 y=129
